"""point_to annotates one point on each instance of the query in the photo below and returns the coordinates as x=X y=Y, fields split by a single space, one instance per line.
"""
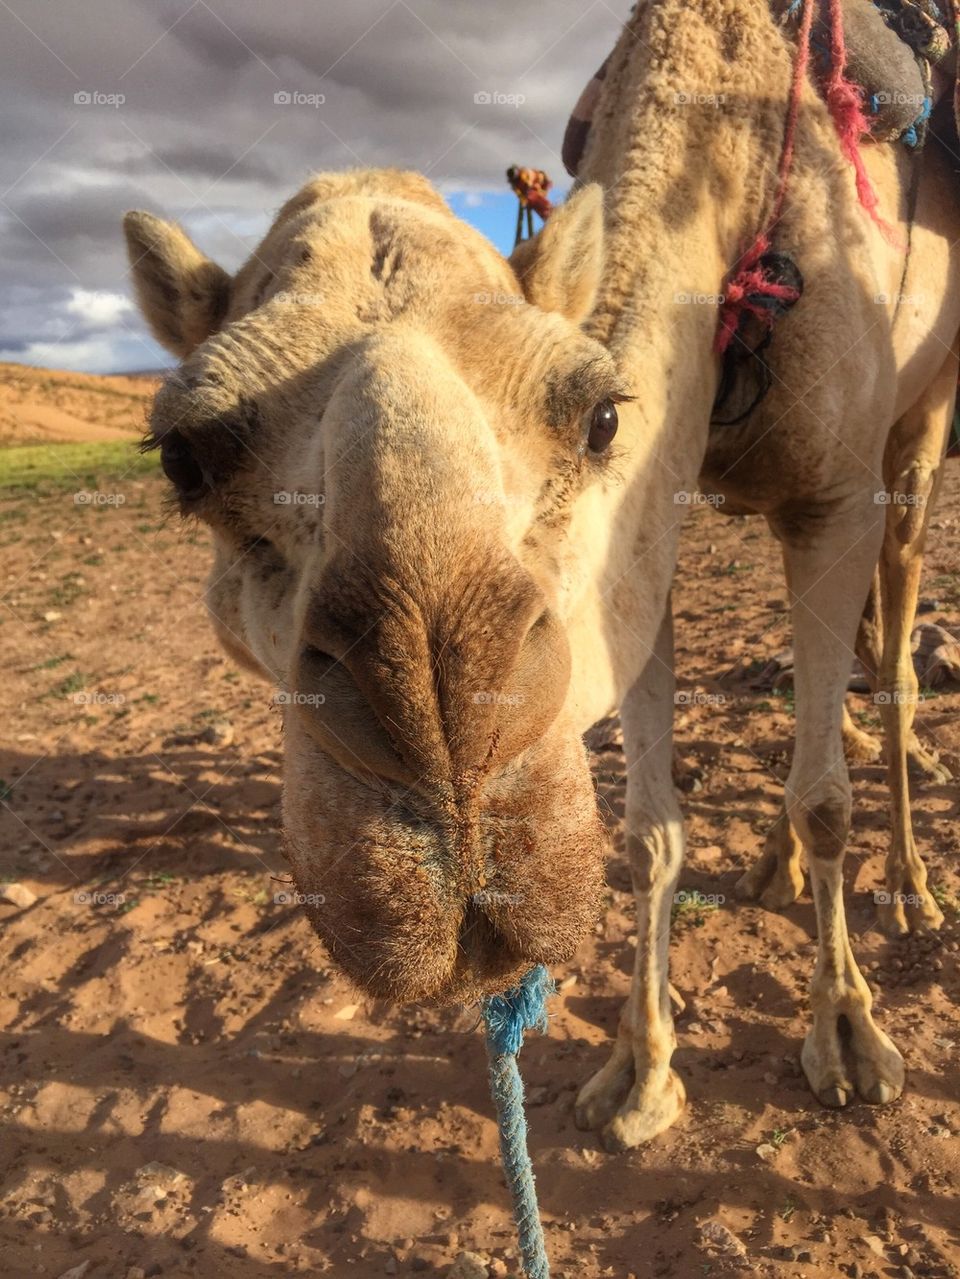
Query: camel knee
x=822 y=821
x=655 y=852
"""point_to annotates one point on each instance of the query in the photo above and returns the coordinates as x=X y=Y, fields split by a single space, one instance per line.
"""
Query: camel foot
x=847 y=1056
x=924 y=766
x=909 y=908
x=649 y=1110
x=605 y=1092
x=773 y=882
x=860 y=747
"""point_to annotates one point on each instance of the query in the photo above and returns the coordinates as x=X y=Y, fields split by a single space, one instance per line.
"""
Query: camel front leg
x=637 y=1094
x=830 y=564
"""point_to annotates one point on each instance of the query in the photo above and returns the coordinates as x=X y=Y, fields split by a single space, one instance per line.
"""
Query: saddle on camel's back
x=902 y=54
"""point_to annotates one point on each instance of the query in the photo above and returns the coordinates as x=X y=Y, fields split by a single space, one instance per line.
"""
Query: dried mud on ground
x=189 y=1088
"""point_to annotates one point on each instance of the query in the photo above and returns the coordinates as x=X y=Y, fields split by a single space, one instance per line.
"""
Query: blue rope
x=506 y=1017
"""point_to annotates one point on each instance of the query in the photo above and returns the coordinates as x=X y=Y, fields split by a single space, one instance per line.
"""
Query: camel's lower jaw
x=418 y=910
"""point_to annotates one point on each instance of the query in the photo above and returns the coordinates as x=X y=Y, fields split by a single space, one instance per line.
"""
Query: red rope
x=754 y=280
x=845 y=103
x=751 y=280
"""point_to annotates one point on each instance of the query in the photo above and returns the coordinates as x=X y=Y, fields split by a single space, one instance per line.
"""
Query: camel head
x=385 y=431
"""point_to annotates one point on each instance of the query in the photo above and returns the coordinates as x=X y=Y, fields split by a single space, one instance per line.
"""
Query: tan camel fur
x=426 y=538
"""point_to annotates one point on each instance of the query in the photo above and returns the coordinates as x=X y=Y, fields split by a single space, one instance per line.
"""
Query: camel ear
x=182 y=294
x=559 y=269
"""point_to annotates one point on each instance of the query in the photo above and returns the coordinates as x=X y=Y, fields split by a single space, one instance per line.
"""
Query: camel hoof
x=906 y=912
x=860 y=747
x=602 y=1096
x=880 y=1093
x=775 y=888
x=835 y=1097
x=647 y=1112
x=924 y=767
x=832 y=1058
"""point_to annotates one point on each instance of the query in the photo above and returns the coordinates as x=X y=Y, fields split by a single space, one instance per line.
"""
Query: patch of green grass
x=786 y=695
x=74 y=683
x=6 y=790
x=690 y=906
x=53 y=662
x=947 y=901
x=790 y=1206
x=73 y=468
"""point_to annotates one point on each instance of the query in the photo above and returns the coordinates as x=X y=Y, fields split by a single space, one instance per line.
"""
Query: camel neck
x=684 y=141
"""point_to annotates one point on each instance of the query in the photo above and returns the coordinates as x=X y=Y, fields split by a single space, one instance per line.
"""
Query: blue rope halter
x=506 y=1017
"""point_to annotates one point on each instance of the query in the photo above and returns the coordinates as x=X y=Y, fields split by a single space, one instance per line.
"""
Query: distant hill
x=48 y=406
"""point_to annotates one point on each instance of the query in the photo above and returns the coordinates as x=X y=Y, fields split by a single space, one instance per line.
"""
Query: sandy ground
x=189 y=1089
x=42 y=406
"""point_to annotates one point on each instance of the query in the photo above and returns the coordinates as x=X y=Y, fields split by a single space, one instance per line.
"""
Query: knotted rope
x=506 y=1017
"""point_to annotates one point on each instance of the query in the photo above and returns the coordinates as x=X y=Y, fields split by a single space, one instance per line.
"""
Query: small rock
x=347 y=1013
x=876 y=1245
x=18 y=895
x=136 y=1272
x=468 y=1265
x=766 y=1151
x=76 y=1272
x=716 y=1237
x=219 y=733
x=161 y=1173
x=568 y=982
x=52 y=616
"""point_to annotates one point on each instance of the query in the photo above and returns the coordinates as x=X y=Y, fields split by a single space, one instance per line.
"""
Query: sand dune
x=48 y=406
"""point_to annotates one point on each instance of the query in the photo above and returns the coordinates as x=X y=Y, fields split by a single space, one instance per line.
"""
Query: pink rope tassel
x=845 y=104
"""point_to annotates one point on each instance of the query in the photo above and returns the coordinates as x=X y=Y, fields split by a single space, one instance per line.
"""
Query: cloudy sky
x=214 y=111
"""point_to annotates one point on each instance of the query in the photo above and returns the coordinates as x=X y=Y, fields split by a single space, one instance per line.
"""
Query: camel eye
x=181 y=467
x=603 y=426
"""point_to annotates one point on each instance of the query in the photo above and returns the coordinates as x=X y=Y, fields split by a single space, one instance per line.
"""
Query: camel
x=442 y=492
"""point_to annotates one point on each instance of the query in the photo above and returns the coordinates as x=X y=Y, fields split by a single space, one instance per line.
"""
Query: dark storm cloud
x=173 y=105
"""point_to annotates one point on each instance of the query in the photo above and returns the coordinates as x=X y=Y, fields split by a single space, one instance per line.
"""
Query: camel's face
x=386 y=441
